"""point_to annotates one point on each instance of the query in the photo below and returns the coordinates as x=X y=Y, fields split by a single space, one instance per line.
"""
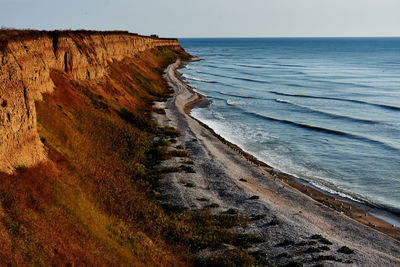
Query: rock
x=25 y=69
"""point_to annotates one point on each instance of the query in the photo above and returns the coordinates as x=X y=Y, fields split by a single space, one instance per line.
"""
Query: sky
x=210 y=18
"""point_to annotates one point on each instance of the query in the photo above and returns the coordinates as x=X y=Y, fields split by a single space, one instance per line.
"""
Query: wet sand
x=228 y=177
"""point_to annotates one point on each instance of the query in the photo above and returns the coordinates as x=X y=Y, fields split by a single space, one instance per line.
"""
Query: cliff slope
x=27 y=61
x=77 y=156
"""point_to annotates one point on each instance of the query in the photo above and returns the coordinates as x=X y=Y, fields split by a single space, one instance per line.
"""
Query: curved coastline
x=221 y=167
x=365 y=213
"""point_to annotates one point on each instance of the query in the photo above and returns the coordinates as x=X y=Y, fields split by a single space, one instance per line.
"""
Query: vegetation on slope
x=95 y=201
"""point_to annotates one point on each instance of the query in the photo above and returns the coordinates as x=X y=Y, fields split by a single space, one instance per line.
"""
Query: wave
x=237 y=78
x=251 y=80
x=323 y=130
x=251 y=66
x=217 y=55
x=340 y=99
x=231 y=102
x=283 y=101
x=219 y=67
x=241 y=96
x=311 y=79
x=215 y=97
x=296 y=85
x=315 y=79
x=328 y=114
x=342 y=83
x=288 y=65
x=187 y=76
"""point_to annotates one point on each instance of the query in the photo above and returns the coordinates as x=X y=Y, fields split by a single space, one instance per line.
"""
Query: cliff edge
x=27 y=60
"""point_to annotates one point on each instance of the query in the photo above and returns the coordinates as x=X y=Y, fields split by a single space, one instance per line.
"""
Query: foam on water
x=190 y=77
x=327 y=114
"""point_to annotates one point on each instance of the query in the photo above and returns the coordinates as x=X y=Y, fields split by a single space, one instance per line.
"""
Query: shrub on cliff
x=93 y=202
x=138 y=120
x=227 y=258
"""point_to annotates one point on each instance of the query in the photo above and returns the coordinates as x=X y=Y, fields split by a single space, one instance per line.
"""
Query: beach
x=339 y=102
x=228 y=178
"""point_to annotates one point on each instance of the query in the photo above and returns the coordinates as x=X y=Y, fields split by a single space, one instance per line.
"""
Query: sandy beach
x=228 y=178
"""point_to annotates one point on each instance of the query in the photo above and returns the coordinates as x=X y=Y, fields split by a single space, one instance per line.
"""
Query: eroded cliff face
x=25 y=67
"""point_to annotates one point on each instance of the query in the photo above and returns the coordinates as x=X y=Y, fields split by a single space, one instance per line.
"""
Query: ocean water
x=326 y=110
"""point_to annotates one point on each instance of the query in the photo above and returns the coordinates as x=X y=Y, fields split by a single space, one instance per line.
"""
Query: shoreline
x=228 y=176
x=359 y=211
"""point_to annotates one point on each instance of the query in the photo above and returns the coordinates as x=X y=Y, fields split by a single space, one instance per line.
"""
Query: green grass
x=284 y=255
x=324 y=248
x=345 y=250
x=274 y=221
x=326 y=258
x=98 y=188
x=231 y=212
x=190 y=184
x=285 y=243
x=312 y=250
x=321 y=239
x=261 y=258
x=101 y=207
x=227 y=258
x=169 y=169
x=307 y=243
x=188 y=169
x=171 y=132
x=247 y=240
x=205 y=230
x=258 y=217
x=228 y=220
x=295 y=263
x=212 y=206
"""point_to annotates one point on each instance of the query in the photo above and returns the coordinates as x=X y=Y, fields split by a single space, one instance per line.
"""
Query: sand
x=227 y=176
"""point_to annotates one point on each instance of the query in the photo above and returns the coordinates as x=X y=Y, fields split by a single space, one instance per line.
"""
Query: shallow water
x=326 y=110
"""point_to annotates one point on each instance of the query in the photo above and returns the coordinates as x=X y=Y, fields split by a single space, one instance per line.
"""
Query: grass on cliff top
x=8 y=34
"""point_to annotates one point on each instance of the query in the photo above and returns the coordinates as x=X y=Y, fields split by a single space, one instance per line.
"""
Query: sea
x=325 y=110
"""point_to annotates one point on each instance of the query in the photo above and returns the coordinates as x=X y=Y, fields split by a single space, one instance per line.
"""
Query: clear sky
x=210 y=18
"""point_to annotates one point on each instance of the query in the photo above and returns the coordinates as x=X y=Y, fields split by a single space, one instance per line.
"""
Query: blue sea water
x=326 y=110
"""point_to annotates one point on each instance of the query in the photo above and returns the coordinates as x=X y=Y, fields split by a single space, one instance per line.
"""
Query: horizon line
x=259 y=37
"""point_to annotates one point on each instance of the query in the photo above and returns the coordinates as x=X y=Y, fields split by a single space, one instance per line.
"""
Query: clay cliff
x=27 y=60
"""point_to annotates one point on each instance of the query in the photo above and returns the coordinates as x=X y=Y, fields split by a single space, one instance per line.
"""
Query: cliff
x=78 y=156
x=27 y=61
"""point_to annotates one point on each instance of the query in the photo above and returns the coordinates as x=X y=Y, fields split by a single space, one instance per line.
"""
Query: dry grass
x=29 y=34
x=180 y=153
x=92 y=203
